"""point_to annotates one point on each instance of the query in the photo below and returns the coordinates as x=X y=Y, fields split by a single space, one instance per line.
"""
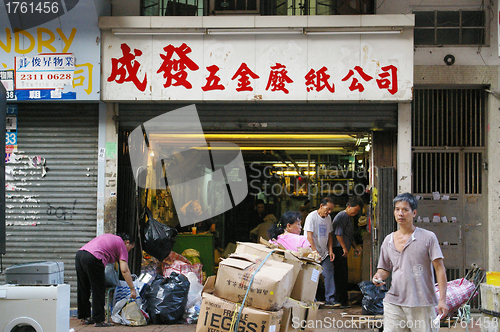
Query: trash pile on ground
x=167 y=292
x=260 y=289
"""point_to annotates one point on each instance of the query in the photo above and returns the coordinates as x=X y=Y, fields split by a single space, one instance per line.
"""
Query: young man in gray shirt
x=411 y=253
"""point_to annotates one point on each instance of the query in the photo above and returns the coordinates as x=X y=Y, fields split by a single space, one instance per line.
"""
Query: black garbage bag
x=373 y=298
x=158 y=238
x=166 y=298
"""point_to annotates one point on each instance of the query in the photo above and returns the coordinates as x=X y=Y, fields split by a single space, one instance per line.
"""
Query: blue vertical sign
x=3 y=107
x=10 y=130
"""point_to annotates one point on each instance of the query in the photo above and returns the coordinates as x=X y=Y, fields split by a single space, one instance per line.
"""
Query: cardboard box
x=307 y=283
x=278 y=255
x=216 y=315
x=306 y=271
x=298 y=316
x=270 y=288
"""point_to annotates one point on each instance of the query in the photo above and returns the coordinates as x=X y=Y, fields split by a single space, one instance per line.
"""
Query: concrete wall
x=494 y=183
x=477 y=65
x=125 y=7
x=111 y=169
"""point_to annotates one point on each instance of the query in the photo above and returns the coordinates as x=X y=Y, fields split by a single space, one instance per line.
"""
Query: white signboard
x=72 y=33
x=45 y=71
x=258 y=67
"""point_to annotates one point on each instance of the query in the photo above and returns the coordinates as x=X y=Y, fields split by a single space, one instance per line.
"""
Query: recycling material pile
x=260 y=289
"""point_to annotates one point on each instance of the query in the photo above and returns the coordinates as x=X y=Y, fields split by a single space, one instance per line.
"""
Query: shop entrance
x=293 y=154
x=293 y=172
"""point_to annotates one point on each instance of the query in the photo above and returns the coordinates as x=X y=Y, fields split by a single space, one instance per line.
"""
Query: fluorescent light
x=268 y=148
x=257 y=31
x=166 y=31
x=251 y=136
x=354 y=31
x=303 y=165
x=294 y=173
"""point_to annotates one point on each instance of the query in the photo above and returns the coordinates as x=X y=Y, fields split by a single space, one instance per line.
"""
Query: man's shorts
x=416 y=319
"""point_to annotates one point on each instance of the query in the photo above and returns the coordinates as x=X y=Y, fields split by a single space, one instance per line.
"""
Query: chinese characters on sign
x=45 y=71
x=176 y=66
x=51 y=76
x=7 y=79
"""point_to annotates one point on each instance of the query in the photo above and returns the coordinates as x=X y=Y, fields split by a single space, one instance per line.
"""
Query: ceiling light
x=354 y=31
x=291 y=165
x=256 y=31
x=166 y=31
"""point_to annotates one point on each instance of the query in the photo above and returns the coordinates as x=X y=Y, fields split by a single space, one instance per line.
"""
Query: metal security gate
x=272 y=117
x=449 y=158
x=51 y=185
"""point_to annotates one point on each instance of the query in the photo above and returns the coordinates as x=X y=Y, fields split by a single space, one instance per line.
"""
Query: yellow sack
x=133 y=314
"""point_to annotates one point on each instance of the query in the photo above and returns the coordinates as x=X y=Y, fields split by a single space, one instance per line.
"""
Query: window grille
x=448 y=140
x=448 y=117
x=450 y=27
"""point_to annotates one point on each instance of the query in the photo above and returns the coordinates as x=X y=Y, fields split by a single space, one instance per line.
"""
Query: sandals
x=103 y=324
x=87 y=321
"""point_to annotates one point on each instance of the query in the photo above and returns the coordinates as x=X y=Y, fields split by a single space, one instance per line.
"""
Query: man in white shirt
x=318 y=229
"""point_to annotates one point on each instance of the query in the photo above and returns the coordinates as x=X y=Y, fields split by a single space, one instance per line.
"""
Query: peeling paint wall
x=404 y=148
x=493 y=135
x=111 y=169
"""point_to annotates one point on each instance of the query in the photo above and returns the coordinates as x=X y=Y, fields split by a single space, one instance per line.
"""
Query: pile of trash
x=169 y=287
x=167 y=292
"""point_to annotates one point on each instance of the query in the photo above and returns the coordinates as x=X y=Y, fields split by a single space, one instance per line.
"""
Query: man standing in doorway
x=343 y=240
x=257 y=216
x=411 y=253
x=318 y=229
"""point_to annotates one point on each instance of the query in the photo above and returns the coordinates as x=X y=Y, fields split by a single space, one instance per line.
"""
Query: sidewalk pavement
x=331 y=318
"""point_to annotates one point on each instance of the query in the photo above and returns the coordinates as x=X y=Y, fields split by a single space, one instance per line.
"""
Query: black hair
x=126 y=237
x=289 y=217
x=326 y=200
x=355 y=201
x=406 y=197
x=259 y=201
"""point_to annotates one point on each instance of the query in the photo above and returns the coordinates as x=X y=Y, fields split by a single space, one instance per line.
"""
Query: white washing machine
x=44 y=308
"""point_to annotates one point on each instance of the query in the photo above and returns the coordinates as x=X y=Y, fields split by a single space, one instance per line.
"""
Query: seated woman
x=287 y=232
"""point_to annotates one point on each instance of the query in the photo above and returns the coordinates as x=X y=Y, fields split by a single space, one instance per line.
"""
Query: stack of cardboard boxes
x=280 y=296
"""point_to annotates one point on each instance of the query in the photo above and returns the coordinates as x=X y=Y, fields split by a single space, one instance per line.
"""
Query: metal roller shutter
x=273 y=117
x=49 y=217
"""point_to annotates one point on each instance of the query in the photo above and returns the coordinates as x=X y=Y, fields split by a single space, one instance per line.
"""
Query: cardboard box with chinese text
x=306 y=271
x=270 y=288
x=217 y=315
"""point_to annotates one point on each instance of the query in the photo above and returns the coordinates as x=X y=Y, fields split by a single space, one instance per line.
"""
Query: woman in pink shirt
x=287 y=232
x=90 y=262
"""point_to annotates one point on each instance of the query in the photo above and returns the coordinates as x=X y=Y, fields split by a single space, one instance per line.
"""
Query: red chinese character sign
x=291 y=68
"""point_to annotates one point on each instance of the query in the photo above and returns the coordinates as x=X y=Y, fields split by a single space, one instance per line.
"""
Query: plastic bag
x=111 y=276
x=457 y=293
x=373 y=298
x=115 y=315
x=133 y=314
x=127 y=312
x=195 y=288
x=192 y=314
x=180 y=264
x=158 y=238
x=166 y=298
x=122 y=291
